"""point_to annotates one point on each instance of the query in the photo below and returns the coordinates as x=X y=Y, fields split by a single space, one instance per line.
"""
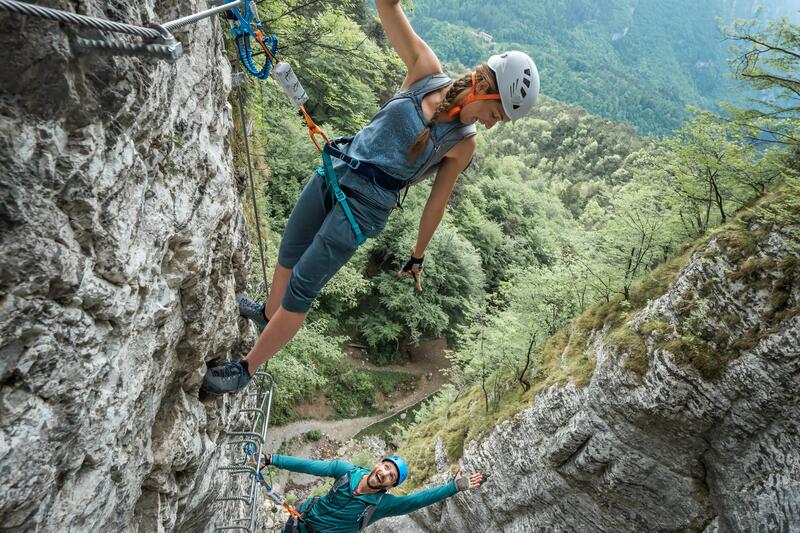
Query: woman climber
x=429 y=125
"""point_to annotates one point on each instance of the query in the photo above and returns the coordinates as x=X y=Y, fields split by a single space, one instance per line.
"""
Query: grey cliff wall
x=121 y=246
x=672 y=452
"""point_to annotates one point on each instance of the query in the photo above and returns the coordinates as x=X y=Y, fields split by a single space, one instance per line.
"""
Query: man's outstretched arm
x=332 y=469
x=400 y=505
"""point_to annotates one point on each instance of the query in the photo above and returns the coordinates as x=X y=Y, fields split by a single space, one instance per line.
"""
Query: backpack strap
x=369 y=510
x=420 y=88
x=340 y=482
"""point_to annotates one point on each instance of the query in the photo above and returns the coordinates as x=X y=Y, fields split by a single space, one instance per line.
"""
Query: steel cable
x=24 y=8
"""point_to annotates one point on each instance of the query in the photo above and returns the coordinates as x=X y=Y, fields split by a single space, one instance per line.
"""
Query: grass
x=353 y=394
x=630 y=343
x=466 y=420
x=689 y=350
x=386 y=429
x=387 y=381
x=564 y=357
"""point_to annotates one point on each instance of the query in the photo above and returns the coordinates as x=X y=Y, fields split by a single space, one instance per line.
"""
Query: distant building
x=483 y=35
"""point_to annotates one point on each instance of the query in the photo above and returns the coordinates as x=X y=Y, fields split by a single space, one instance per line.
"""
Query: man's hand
x=413 y=268
x=465 y=483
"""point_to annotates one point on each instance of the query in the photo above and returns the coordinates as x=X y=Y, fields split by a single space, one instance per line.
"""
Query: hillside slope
x=690 y=421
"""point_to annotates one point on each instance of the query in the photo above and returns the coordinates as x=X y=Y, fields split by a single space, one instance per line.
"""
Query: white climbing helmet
x=518 y=81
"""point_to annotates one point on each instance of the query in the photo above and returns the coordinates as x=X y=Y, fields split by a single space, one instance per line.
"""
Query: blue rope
x=242 y=32
x=246 y=55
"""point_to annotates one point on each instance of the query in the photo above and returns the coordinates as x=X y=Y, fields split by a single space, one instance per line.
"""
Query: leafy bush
x=313 y=436
x=353 y=394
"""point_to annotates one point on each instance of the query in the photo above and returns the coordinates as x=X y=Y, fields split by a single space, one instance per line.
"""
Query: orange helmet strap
x=471 y=97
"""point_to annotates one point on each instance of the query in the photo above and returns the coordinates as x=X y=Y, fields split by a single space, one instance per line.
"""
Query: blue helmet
x=402 y=467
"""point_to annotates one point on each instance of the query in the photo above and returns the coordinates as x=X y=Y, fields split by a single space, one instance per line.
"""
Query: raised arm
x=415 y=53
x=332 y=469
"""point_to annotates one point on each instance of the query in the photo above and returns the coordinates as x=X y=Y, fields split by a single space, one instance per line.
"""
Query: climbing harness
x=326 y=171
x=288 y=81
x=245 y=25
x=368 y=170
x=363 y=168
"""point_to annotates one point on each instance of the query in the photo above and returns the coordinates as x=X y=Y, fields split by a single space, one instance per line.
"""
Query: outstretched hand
x=413 y=268
x=473 y=481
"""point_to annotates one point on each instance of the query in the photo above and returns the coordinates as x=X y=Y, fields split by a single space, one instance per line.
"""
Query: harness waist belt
x=362 y=168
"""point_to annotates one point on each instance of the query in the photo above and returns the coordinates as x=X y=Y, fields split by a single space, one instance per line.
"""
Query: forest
x=566 y=221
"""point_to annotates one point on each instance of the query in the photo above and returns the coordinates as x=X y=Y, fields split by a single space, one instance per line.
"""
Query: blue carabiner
x=243 y=28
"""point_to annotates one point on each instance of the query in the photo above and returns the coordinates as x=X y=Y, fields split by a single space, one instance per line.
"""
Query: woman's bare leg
x=282 y=327
x=280 y=280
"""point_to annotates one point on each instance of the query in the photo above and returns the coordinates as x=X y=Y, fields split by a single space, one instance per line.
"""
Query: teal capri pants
x=319 y=240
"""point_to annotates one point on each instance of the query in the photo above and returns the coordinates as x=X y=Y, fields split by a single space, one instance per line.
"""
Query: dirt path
x=427 y=361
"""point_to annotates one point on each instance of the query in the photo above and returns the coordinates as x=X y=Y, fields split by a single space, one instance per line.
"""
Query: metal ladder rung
x=255 y=439
x=239 y=469
x=255 y=436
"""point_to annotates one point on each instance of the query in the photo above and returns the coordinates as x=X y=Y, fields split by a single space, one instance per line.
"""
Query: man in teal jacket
x=358 y=496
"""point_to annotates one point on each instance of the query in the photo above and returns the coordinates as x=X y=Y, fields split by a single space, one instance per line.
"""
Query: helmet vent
x=516 y=106
x=527 y=71
x=522 y=91
x=527 y=82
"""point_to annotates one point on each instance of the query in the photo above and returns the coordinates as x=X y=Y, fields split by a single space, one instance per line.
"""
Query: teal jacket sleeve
x=332 y=469
x=399 y=505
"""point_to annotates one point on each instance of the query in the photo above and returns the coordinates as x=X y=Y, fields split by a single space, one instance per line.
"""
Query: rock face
x=121 y=246
x=671 y=451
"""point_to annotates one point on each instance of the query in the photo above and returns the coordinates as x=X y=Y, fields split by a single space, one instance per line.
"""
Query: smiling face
x=383 y=476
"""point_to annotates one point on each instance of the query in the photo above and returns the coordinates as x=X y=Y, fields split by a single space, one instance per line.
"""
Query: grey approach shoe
x=230 y=377
x=252 y=310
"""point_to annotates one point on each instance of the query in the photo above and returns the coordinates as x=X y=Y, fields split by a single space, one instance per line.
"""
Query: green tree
x=767 y=57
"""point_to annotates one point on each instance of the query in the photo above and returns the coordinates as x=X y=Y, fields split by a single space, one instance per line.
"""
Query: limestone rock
x=121 y=247
x=674 y=450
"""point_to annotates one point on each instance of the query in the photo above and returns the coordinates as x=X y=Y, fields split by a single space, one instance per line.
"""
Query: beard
x=372 y=480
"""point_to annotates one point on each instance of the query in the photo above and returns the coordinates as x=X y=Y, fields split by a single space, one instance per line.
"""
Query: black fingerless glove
x=414 y=261
x=266 y=460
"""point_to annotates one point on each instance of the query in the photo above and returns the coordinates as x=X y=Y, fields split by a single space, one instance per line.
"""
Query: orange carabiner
x=314 y=130
x=260 y=39
x=294 y=513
